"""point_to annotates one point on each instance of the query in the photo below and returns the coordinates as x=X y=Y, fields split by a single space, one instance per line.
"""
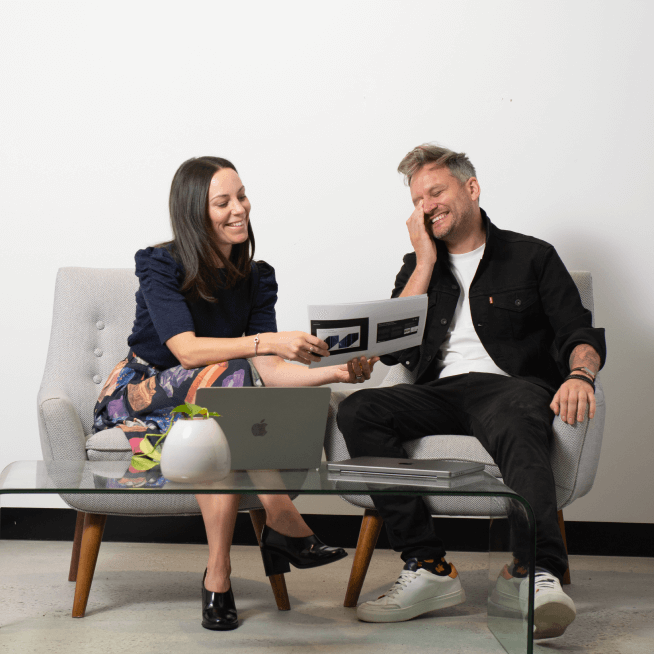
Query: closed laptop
x=271 y=428
x=416 y=468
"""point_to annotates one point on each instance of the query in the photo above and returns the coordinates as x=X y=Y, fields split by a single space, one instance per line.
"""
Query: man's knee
x=355 y=408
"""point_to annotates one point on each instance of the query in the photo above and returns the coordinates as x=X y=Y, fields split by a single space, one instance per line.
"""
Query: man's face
x=448 y=204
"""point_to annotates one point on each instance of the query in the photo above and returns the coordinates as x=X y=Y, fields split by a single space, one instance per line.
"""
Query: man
x=499 y=304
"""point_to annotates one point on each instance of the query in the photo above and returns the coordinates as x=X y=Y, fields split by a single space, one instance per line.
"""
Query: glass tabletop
x=114 y=477
x=510 y=617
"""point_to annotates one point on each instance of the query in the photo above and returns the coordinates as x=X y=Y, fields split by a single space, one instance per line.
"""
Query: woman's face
x=229 y=209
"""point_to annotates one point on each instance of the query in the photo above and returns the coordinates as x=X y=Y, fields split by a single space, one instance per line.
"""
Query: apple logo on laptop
x=259 y=428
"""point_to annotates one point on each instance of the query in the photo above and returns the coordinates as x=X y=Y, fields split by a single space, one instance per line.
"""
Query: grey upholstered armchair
x=575 y=457
x=92 y=318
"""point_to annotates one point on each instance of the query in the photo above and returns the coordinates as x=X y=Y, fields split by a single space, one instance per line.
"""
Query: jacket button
x=518 y=303
x=99 y=324
x=443 y=321
x=97 y=352
x=455 y=287
x=480 y=324
x=429 y=357
x=408 y=363
x=97 y=379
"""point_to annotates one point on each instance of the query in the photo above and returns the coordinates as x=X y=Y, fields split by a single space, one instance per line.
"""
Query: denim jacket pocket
x=517 y=310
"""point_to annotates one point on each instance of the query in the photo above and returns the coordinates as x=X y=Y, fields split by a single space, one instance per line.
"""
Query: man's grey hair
x=459 y=165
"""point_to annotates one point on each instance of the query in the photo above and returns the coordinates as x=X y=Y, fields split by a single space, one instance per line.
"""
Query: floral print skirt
x=138 y=397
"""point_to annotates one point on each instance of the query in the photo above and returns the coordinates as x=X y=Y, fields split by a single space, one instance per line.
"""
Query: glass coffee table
x=510 y=603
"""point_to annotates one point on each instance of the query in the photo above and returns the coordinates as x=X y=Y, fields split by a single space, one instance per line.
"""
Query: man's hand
x=355 y=371
x=572 y=400
x=421 y=239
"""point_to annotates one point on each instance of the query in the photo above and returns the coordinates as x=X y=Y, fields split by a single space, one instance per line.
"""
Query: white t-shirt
x=462 y=351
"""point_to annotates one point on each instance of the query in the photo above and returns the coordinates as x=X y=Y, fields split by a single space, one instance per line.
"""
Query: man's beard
x=457 y=226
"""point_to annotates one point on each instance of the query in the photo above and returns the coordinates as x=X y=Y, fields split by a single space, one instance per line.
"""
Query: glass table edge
x=357 y=487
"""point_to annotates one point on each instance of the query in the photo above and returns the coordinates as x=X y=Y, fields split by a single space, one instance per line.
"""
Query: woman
x=198 y=295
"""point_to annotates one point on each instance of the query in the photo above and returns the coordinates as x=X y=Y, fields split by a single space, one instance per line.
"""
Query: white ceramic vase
x=195 y=451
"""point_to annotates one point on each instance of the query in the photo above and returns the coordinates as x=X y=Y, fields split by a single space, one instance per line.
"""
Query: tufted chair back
x=92 y=318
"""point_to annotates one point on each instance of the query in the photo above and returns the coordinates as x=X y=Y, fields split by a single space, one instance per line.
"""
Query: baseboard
x=593 y=538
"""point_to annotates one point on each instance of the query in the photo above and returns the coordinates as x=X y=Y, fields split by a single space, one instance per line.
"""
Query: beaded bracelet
x=588 y=381
x=588 y=371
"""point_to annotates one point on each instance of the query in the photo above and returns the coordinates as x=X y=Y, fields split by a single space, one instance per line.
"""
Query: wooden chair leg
x=370 y=529
x=77 y=544
x=91 y=539
x=277 y=582
x=566 y=576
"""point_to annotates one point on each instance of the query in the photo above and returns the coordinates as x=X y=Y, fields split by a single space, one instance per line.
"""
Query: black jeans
x=510 y=417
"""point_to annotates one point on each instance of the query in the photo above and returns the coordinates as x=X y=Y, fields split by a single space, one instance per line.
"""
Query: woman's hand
x=355 y=371
x=294 y=346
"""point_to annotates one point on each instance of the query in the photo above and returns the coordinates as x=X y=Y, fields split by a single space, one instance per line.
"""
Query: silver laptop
x=271 y=428
x=371 y=466
x=362 y=481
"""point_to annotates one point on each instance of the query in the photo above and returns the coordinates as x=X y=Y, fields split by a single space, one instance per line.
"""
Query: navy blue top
x=162 y=311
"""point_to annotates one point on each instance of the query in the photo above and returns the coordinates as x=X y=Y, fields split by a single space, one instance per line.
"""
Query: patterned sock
x=518 y=569
x=439 y=567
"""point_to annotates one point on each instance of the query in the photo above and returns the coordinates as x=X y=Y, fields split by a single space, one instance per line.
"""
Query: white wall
x=316 y=103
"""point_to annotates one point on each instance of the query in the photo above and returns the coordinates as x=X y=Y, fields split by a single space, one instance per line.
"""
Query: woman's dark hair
x=194 y=244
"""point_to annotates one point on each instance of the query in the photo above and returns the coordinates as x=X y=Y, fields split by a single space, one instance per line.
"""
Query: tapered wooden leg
x=91 y=539
x=277 y=582
x=370 y=528
x=77 y=544
x=566 y=576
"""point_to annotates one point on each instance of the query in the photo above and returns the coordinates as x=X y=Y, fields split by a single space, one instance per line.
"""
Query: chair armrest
x=62 y=435
x=335 y=448
x=398 y=374
x=576 y=452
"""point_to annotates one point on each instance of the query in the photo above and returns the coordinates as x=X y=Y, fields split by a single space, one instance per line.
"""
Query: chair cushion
x=111 y=445
x=108 y=445
x=456 y=448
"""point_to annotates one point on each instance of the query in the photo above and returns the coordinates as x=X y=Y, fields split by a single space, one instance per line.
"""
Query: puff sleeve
x=262 y=314
x=160 y=278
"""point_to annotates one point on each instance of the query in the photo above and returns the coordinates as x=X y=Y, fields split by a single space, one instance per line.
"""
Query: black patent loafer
x=218 y=609
x=278 y=551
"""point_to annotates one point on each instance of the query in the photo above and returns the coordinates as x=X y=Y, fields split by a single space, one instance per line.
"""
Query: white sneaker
x=506 y=594
x=416 y=591
x=553 y=609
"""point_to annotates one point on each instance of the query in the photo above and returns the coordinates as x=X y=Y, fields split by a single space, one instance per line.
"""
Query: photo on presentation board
x=342 y=336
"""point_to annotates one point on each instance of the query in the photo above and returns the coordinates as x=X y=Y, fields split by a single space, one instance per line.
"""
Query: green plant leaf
x=156 y=454
x=193 y=410
x=146 y=447
x=182 y=408
x=142 y=463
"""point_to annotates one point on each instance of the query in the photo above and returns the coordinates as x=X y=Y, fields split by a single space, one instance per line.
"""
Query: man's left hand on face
x=572 y=400
x=355 y=371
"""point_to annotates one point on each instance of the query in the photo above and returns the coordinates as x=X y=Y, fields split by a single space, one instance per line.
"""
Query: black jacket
x=525 y=308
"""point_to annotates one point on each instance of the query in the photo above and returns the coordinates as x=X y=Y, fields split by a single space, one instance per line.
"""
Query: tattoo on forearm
x=585 y=355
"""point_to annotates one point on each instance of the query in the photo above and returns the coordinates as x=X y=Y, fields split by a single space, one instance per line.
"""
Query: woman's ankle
x=289 y=525
x=217 y=579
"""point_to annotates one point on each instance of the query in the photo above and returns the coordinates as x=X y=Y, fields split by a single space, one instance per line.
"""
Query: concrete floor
x=146 y=598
